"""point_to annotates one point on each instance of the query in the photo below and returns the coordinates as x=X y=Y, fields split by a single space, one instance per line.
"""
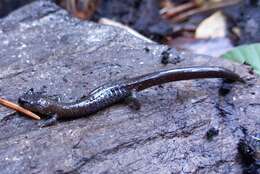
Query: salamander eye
x=22 y=101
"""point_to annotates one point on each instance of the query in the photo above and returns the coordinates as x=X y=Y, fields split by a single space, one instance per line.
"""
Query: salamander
x=114 y=92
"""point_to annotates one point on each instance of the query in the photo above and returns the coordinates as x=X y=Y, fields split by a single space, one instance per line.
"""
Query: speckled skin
x=111 y=93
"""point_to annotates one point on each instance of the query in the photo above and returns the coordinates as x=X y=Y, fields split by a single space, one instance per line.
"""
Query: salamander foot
x=49 y=122
x=133 y=101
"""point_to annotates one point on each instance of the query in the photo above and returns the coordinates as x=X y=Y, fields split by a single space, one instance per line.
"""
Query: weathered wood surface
x=41 y=45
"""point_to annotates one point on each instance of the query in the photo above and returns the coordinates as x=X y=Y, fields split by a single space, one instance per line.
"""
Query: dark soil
x=7 y=6
x=143 y=16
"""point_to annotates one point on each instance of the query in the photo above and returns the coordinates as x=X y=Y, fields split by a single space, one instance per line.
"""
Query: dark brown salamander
x=111 y=93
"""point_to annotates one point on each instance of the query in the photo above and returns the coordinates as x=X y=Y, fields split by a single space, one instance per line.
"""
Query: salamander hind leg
x=133 y=101
x=49 y=121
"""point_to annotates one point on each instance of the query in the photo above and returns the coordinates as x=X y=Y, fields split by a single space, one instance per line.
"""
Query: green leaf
x=246 y=54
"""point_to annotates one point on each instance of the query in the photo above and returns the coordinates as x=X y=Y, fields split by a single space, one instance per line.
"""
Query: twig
x=171 y=12
x=18 y=108
x=205 y=8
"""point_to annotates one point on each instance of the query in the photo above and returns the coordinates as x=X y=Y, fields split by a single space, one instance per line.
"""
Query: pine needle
x=18 y=108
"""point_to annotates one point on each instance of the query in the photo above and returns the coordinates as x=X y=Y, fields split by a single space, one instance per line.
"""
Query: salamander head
x=36 y=102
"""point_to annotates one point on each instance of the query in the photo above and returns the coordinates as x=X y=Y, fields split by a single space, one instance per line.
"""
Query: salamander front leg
x=133 y=101
x=49 y=121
